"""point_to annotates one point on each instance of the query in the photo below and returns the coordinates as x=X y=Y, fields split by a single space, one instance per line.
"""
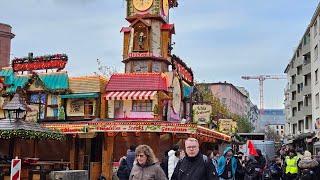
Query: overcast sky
x=221 y=40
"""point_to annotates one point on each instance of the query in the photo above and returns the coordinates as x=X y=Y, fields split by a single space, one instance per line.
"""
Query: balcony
x=306 y=69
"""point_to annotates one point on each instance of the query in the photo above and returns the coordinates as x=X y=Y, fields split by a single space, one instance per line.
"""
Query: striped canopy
x=130 y=95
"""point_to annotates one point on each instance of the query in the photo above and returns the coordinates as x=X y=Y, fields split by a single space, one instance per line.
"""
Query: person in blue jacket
x=227 y=165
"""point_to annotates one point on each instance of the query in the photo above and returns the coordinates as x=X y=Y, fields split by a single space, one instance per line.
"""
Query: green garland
x=28 y=134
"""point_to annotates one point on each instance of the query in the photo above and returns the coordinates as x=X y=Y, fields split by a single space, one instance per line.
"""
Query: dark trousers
x=290 y=176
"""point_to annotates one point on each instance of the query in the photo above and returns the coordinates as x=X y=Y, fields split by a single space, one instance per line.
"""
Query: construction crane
x=262 y=78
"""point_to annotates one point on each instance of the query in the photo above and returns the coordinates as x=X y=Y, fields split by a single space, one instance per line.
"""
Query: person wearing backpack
x=194 y=166
x=227 y=165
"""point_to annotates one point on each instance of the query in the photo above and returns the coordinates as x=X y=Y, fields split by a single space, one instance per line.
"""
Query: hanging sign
x=201 y=113
x=57 y=61
x=15 y=169
x=227 y=126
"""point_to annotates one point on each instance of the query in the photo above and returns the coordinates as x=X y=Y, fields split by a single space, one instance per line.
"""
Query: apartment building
x=303 y=89
x=315 y=67
x=230 y=96
x=298 y=94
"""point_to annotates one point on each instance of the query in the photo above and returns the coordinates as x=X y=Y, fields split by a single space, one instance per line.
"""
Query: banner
x=201 y=113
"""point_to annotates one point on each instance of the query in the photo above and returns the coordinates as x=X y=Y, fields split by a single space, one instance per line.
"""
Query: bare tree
x=105 y=70
x=272 y=135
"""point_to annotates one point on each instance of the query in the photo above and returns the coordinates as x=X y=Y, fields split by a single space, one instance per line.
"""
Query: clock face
x=142 y=5
x=165 y=7
x=176 y=102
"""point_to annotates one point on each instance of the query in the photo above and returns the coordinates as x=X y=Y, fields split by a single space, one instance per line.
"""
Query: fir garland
x=29 y=134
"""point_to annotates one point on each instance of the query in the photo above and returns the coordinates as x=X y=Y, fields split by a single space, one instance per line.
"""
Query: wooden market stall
x=117 y=136
x=19 y=138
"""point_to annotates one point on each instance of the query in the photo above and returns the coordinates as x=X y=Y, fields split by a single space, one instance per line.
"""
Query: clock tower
x=148 y=38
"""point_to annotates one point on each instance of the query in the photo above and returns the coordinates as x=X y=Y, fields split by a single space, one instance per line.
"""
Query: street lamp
x=16 y=108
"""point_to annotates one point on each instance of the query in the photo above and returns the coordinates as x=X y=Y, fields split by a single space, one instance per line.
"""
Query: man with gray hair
x=194 y=165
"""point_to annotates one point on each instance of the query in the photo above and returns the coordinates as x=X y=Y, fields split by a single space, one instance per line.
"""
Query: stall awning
x=130 y=95
x=80 y=95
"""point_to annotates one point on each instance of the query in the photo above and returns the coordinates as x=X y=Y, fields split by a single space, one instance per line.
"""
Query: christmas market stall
x=19 y=138
x=117 y=135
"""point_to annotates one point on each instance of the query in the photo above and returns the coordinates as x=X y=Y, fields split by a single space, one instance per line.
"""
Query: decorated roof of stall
x=87 y=84
x=137 y=82
x=51 y=81
x=18 y=128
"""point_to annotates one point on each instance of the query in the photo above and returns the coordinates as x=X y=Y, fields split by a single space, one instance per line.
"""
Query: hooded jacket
x=222 y=163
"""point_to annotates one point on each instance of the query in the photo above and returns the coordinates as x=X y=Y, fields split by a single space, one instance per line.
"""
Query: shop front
x=117 y=136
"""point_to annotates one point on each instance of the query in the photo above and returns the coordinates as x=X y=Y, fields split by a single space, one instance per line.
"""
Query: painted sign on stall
x=124 y=127
x=201 y=113
x=227 y=126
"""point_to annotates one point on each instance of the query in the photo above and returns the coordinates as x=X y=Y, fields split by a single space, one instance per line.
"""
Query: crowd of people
x=140 y=163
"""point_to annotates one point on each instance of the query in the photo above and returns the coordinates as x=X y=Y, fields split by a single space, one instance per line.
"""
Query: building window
x=293 y=79
x=306 y=100
x=54 y=100
x=294 y=111
x=55 y=112
x=306 y=39
x=300 y=126
x=315 y=28
x=307 y=123
x=317 y=100
x=300 y=87
x=281 y=127
x=300 y=104
x=316 y=75
x=316 y=52
x=299 y=69
x=294 y=128
x=88 y=108
x=142 y=106
x=294 y=95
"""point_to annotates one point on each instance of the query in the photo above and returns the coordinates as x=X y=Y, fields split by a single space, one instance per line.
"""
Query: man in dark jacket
x=194 y=165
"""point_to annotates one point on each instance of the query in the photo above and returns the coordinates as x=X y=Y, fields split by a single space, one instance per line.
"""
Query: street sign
x=15 y=169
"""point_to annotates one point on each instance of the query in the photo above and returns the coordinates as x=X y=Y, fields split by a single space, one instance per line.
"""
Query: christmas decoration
x=30 y=134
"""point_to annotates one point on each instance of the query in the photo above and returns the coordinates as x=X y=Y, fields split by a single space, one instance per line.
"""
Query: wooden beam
x=72 y=152
x=107 y=155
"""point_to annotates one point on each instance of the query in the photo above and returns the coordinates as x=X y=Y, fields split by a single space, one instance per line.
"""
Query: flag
x=252 y=149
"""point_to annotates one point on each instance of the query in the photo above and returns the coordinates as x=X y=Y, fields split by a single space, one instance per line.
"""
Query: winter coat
x=172 y=162
x=308 y=168
x=164 y=165
x=194 y=168
x=252 y=170
x=123 y=172
x=148 y=172
x=131 y=156
x=275 y=171
x=240 y=171
x=222 y=163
